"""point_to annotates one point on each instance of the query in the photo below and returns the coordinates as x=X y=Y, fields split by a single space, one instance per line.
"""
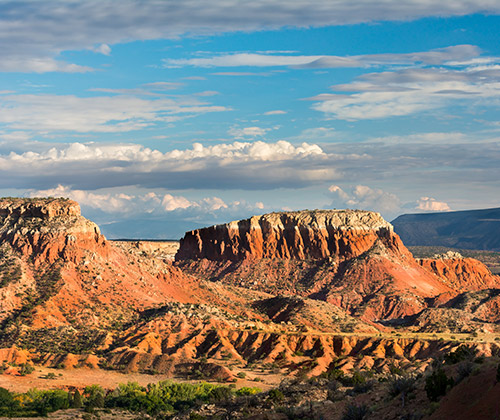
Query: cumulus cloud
x=151 y=213
x=34 y=33
x=150 y=202
x=238 y=165
x=365 y=198
x=431 y=204
x=102 y=114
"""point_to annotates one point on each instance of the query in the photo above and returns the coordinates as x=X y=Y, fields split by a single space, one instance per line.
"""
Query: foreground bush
x=164 y=397
x=437 y=384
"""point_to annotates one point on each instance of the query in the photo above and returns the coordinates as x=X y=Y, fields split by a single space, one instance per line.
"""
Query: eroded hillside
x=286 y=293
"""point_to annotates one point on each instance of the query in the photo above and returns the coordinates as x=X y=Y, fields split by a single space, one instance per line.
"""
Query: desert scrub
x=402 y=386
x=436 y=384
x=356 y=412
x=62 y=340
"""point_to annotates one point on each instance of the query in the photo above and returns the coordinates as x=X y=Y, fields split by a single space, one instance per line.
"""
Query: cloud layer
x=433 y=57
x=34 y=33
x=238 y=165
x=100 y=114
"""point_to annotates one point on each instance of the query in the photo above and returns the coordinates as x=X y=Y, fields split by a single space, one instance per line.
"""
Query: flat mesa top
x=38 y=207
x=315 y=219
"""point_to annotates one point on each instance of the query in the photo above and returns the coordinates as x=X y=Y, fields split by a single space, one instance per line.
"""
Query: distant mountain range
x=470 y=229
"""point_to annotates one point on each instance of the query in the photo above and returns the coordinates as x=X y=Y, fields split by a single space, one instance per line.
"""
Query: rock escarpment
x=350 y=258
x=319 y=234
x=48 y=229
x=462 y=274
x=58 y=270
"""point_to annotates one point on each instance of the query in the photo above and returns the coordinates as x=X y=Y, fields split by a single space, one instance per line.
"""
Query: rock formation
x=284 y=288
x=318 y=234
x=461 y=274
x=58 y=270
x=350 y=258
x=48 y=229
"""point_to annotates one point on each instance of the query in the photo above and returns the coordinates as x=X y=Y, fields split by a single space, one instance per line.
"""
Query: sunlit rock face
x=318 y=234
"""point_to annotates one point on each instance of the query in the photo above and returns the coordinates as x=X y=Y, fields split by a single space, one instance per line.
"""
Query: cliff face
x=48 y=229
x=320 y=234
x=352 y=259
x=57 y=269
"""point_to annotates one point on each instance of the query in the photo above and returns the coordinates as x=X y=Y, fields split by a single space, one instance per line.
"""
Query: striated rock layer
x=350 y=258
x=48 y=229
x=314 y=234
x=462 y=274
x=57 y=269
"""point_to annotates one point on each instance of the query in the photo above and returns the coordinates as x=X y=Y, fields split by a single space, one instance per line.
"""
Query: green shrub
x=76 y=400
x=276 y=396
x=26 y=369
x=437 y=384
x=246 y=390
x=8 y=405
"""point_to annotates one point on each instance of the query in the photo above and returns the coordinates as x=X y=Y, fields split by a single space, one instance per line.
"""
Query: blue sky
x=161 y=116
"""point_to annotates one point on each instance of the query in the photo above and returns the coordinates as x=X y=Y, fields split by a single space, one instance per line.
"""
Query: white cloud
x=462 y=53
x=276 y=112
x=162 y=85
x=103 y=49
x=15 y=63
x=409 y=91
x=48 y=113
x=240 y=133
x=430 y=204
x=365 y=198
x=424 y=138
x=207 y=93
x=240 y=74
x=238 y=165
x=169 y=202
x=32 y=30
x=259 y=60
x=148 y=204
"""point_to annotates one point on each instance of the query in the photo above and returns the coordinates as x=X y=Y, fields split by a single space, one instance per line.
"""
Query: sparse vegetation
x=356 y=412
x=437 y=384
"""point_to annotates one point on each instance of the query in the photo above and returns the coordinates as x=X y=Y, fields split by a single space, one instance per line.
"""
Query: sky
x=163 y=116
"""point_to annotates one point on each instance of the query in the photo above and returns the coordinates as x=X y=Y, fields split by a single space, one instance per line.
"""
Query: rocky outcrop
x=349 y=258
x=461 y=274
x=318 y=234
x=46 y=230
x=57 y=269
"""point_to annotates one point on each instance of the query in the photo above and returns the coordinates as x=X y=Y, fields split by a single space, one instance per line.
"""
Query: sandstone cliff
x=58 y=271
x=338 y=234
x=350 y=258
x=48 y=229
